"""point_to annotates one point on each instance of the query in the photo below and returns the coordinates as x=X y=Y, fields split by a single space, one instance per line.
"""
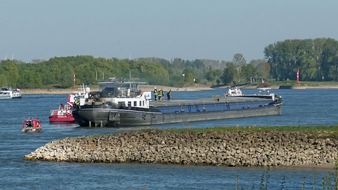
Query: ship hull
x=96 y=116
x=61 y=119
x=142 y=118
x=167 y=112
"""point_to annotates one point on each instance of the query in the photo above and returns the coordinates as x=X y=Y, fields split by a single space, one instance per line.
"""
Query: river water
x=310 y=107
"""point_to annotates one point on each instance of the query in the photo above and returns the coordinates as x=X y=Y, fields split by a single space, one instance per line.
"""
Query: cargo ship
x=123 y=104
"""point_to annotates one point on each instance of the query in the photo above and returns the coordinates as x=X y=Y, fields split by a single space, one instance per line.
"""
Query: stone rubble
x=247 y=149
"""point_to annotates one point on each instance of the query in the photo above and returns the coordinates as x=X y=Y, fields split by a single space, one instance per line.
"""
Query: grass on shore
x=319 y=131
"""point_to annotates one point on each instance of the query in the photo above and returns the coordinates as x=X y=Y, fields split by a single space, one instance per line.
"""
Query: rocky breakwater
x=206 y=148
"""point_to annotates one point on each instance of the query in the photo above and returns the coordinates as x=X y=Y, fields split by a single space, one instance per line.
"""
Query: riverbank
x=221 y=148
x=142 y=87
x=166 y=88
x=315 y=87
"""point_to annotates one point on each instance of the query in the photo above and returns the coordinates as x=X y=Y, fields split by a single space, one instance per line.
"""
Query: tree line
x=317 y=59
x=59 y=71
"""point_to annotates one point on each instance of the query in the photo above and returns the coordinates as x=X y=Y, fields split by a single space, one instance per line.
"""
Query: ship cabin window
x=121 y=104
x=141 y=103
x=129 y=104
x=135 y=103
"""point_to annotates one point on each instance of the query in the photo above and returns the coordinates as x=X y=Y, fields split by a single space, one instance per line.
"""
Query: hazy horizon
x=187 y=29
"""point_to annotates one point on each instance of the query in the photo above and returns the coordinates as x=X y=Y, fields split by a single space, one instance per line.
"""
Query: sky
x=168 y=29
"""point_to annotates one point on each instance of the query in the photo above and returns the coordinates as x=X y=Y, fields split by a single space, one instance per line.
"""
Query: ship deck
x=208 y=101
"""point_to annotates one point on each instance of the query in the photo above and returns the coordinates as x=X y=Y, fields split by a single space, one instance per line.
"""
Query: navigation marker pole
x=298 y=76
x=74 y=81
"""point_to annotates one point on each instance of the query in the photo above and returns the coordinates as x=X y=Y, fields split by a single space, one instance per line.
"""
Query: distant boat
x=234 y=91
x=9 y=93
x=31 y=125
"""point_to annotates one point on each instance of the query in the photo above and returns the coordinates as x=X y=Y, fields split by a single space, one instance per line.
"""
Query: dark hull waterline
x=171 y=112
x=139 y=118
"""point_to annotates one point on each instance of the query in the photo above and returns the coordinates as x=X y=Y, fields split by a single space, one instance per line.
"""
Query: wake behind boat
x=123 y=104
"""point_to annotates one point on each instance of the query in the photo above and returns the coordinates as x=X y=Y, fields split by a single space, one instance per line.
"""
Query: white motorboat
x=234 y=91
x=9 y=93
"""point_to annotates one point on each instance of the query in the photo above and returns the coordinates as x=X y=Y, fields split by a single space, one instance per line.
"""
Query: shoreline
x=165 y=88
x=142 y=87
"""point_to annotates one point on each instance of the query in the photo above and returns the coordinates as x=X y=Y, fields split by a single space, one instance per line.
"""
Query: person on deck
x=155 y=93
x=169 y=94
x=160 y=95
x=77 y=103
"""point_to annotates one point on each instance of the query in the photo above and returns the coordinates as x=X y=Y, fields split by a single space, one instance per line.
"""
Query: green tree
x=263 y=68
x=229 y=74
x=248 y=72
x=239 y=60
x=154 y=73
x=330 y=59
x=314 y=58
x=188 y=76
x=9 y=72
x=30 y=80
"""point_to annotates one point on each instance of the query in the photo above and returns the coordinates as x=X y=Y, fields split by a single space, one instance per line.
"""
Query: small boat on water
x=64 y=113
x=234 y=91
x=9 y=93
x=31 y=125
x=123 y=104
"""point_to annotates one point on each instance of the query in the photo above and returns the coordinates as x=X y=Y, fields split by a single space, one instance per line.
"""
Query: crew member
x=155 y=93
x=160 y=94
x=169 y=94
x=77 y=103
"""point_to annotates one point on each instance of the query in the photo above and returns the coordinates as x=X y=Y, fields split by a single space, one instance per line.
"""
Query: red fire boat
x=31 y=125
x=62 y=114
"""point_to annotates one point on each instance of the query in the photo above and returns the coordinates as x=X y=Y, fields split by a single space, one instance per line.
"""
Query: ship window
x=135 y=103
x=129 y=104
x=121 y=104
x=140 y=103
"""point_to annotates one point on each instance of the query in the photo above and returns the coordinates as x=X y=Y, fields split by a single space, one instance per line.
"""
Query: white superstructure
x=8 y=93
